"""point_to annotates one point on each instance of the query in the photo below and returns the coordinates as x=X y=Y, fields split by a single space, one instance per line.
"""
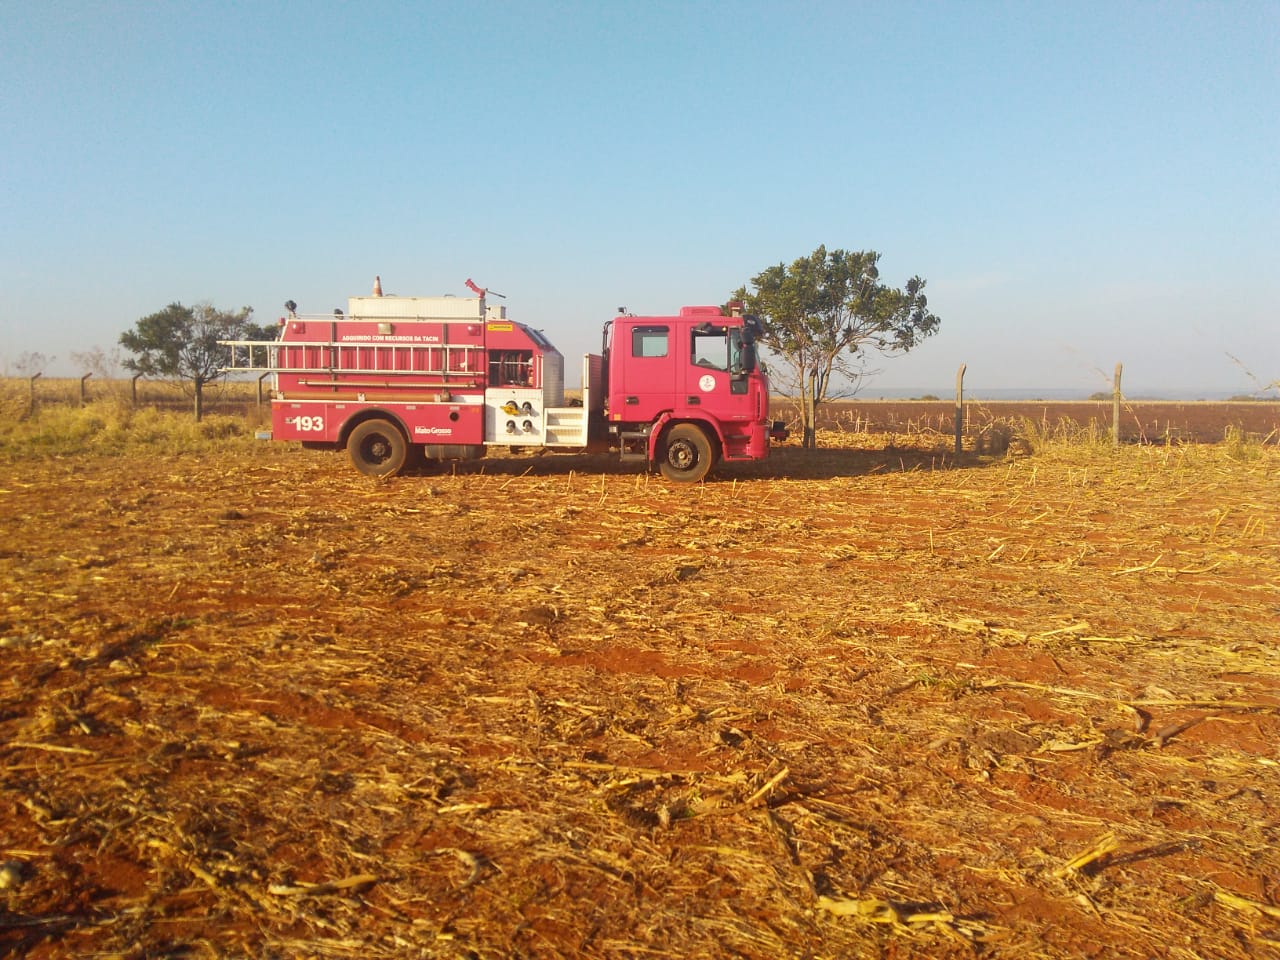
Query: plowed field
x=860 y=703
x=1141 y=421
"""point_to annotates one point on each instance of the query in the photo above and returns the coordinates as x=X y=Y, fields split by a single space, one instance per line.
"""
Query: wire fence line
x=975 y=423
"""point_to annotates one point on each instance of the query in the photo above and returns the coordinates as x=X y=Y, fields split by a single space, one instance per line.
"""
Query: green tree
x=182 y=342
x=825 y=313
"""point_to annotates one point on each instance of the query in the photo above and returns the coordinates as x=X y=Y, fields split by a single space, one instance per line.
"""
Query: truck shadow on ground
x=796 y=463
x=784 y=463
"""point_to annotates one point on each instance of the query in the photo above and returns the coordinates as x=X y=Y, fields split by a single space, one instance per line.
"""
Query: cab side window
x=710 y=349
x=650 y=341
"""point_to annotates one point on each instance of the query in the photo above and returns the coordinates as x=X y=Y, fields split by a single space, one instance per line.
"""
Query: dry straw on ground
x=864 y=703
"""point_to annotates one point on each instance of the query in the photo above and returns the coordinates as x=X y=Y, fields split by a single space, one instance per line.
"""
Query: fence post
x=34 y=377
x=82 y=387
x=133 y=388
x=960 y=409
x=1115 y=408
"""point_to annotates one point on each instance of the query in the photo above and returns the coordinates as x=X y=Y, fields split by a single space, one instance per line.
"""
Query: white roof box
x=418 y=308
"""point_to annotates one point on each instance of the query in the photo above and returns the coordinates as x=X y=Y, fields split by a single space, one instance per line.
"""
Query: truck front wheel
x=688 y=456
x=377 y=448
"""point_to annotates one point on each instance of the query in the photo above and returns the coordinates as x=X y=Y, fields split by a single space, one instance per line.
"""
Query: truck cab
x=687 y=391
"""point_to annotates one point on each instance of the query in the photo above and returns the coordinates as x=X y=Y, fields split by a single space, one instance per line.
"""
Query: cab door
x=713 y=373
x=651 y=369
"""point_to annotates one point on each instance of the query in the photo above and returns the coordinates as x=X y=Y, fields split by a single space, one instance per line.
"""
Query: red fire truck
x=449 y=377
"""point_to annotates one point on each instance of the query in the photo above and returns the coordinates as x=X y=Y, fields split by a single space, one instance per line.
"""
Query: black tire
x=688 y=455
x=377 y=448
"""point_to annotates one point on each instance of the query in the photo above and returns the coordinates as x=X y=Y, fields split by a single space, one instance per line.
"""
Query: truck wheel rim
x=682 y=455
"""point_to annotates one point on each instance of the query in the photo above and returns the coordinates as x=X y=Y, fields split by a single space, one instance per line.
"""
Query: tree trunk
x=808 y=418
x=199 y=399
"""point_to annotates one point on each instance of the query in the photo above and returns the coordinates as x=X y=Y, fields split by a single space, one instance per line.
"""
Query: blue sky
x=1079 y=183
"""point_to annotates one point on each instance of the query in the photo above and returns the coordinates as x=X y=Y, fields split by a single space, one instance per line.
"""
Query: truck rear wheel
x=688 y=456
x=377 y=448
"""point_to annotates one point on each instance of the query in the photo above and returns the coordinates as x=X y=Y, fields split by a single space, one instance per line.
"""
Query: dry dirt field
x=865 y=703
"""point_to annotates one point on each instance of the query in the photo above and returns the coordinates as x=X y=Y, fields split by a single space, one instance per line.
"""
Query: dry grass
x=111 y=423
x=882 y=703
x=21 y=401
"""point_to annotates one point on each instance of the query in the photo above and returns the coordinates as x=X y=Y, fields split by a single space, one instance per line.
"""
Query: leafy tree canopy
x=182 y=342
x=824 y=313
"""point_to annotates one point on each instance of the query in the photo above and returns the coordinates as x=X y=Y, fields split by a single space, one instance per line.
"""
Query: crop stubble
x=880 y=703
